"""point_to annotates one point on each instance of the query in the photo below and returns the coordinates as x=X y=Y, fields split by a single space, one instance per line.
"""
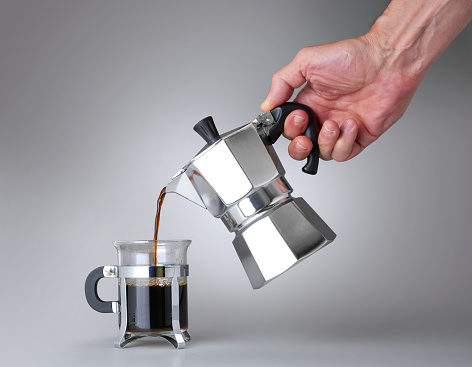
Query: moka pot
x=238 y=178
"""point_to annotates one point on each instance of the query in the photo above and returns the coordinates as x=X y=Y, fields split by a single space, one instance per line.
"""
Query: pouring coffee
x=239 y=179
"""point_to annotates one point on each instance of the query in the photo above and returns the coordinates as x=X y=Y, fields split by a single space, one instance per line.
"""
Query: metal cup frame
x=176 y=337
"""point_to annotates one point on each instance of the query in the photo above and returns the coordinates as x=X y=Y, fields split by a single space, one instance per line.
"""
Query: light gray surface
x=97 y=104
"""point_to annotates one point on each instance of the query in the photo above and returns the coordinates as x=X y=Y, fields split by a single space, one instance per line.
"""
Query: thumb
x=285 y=81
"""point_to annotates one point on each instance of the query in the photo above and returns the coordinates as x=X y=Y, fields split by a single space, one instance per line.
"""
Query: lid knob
x=207 y=130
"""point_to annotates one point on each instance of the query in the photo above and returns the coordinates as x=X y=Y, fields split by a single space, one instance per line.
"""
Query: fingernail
x=301 y=147
x=299 y=120
x=327 y=131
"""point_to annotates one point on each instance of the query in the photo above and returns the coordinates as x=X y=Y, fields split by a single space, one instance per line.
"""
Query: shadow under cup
x=153 y=299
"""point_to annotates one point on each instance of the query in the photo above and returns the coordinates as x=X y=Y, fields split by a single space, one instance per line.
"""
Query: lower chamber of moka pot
x=154 y=306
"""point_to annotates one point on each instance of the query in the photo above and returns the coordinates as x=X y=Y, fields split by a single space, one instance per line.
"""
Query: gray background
x=97 y=104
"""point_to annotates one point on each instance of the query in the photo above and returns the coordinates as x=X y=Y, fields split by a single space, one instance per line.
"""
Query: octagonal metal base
x=280 y=238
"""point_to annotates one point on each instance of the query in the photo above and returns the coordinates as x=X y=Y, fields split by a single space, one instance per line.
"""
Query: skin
x=360 y=87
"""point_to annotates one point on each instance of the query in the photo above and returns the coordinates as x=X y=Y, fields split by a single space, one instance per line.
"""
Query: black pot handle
x=91 y=290
x=280 y=113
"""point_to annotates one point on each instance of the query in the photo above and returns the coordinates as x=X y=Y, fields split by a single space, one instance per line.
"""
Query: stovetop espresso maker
x=238 y=178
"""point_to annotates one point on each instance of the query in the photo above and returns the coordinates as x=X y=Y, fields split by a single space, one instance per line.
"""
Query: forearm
x=413 y=34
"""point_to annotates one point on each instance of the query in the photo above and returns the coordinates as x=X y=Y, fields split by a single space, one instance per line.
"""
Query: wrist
x=400 y=47
x=411 y=35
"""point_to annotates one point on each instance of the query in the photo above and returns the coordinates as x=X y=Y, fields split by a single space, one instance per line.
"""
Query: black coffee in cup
x=149 y=306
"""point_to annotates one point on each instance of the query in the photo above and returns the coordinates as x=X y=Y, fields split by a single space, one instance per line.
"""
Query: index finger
x=284 y=83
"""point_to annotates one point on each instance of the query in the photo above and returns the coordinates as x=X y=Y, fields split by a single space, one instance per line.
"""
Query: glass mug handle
x=91 y=289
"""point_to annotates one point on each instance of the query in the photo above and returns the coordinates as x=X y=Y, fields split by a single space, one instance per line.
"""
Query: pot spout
x=182 y=185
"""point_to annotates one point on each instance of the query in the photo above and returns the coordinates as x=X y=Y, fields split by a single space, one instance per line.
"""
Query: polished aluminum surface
x=241 y=214
x=162 y=271
x=280 y=238
x=228 y=171
x=181 y=184
x=240 y=179
x=179 y=338
x=123 y=337
x=110 y=271
x=264 y=122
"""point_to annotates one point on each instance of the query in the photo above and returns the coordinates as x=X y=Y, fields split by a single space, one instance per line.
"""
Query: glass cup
x=152 y=277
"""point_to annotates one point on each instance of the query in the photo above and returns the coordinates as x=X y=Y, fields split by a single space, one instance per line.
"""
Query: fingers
x=300 y=147
x=284 y=82
x=344 y=145
x=295 y=124
x=335 y=142
x=339 y=143
x=327 y=139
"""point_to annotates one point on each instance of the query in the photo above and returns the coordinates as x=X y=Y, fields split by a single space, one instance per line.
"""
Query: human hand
x=354 y=88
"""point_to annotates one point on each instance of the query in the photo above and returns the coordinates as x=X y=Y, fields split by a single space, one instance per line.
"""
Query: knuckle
x=277 y=76
x=303 y=51
x=302 y=55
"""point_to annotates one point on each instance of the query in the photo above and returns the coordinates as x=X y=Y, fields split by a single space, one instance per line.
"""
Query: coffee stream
x=160 y=201
x=149 y=301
